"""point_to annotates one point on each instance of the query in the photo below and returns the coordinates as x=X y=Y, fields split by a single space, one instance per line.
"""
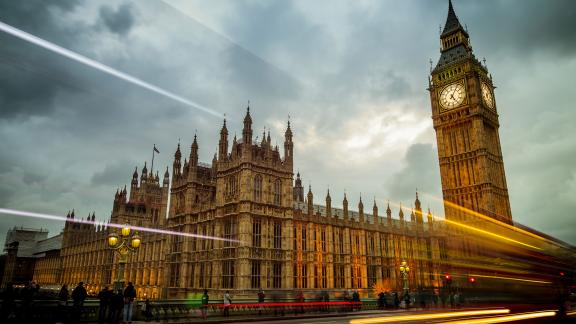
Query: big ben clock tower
x=465 y=118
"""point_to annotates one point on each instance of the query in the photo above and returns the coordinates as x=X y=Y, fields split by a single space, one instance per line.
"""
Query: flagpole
x=152 y=167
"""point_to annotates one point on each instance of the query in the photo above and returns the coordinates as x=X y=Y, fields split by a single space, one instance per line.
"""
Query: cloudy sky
x=351 y=74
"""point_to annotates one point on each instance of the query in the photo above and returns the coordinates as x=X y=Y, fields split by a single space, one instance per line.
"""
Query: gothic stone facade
x=273 y=239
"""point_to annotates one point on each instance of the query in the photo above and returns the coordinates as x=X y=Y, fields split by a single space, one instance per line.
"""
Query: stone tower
x=466 y=122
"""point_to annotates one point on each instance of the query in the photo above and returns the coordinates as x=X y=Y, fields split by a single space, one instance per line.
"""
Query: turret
x=430 y=218
x=361 y=210
x=288 y=145
x=194 y=153
x=223 y=143
x=418 y=210
x=144 y=176
x=328 y=204
x=389 y=215
x=166 y=180
x=401 y=215
x=177 y=166
x=247 y=130
x=310 y=198
x=135 y=177
x=412 y=216
x=345 y=207
x=375 y=212
x=298 y=190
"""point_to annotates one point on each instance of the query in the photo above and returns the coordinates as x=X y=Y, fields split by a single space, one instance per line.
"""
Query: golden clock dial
x=452 y=95
x=487 y=95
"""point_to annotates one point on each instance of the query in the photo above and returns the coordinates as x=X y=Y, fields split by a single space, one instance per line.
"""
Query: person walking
x=381 y=300
x=78 y=296
x=227 y=302
x=129 y=296
x=147 y=310
x=300 y=299
x=261 y=297
x=356 y=300
x=116 y=307
x=63 y=296
x=105 y=297
x=204 y=306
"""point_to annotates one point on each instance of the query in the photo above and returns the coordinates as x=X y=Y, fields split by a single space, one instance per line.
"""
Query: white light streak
x=86 y=221
x=99 y=66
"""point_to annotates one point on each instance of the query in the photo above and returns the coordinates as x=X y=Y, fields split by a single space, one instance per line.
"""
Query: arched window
x=258 y=188
x=278 y=192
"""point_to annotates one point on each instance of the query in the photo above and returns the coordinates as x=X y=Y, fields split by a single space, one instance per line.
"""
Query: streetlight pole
x=128 y=241
x=404 y=269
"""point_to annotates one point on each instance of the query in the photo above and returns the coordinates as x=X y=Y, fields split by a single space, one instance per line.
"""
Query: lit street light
x=124 y=243
x=404 y=269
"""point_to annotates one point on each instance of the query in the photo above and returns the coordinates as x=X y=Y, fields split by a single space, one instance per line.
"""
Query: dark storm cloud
x=118 y=21
x=112 y=173
x=520 y=28
x=421 y=171
x=40 y=17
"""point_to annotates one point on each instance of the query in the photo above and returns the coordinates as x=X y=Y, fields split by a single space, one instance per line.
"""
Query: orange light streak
x=491 y=234
x=509 y=278
x=388 y=319
x=484 y=217
x=501 y=319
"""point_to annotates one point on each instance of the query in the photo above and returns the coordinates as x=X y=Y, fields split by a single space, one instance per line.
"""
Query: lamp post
x=404 y=269
x=128 y=241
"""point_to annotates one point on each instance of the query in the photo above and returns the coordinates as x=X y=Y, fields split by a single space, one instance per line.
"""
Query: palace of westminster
x=275 y=234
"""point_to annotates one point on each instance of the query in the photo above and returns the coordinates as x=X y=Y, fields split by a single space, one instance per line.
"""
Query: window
x=323 y=240
x=324 y=277
x=304 y=242
x=341 y=242
x=304 y=276
x=277 y=275
x=202 y=275
x=255 y=278
x=174 y=274
x=258 y=188
x=256 y=232
x=229 y=232
x=372 y=270
x=277 y=235
x=295 y=247
x=278 y=192
x=228 y=274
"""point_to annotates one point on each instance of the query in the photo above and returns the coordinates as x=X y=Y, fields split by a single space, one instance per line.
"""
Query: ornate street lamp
x=123 y=244
x=404 y=269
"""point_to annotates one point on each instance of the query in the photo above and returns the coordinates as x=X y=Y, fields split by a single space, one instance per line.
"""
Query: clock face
x=487 y=95
x=452 y=95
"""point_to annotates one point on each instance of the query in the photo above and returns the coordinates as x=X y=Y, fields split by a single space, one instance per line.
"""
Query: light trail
x=99 y=66
x=85 y=221
x=418 y=317
x=502 y=319
x=472 y=228
x=510 y=278
x=484 y=217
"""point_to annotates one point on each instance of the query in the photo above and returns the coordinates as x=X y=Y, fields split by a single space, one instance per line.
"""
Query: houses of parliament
x=277 y=235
